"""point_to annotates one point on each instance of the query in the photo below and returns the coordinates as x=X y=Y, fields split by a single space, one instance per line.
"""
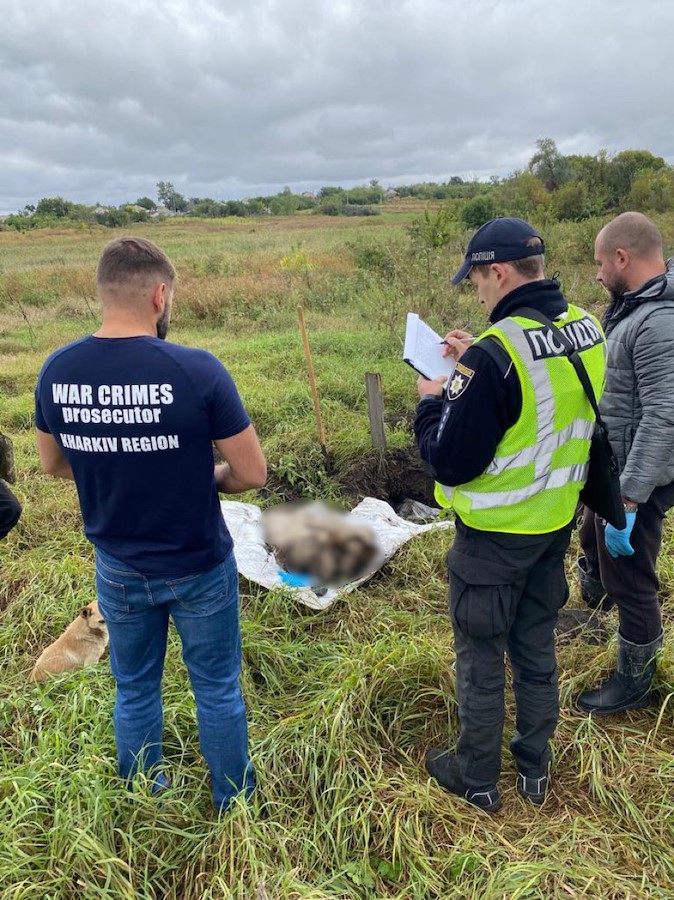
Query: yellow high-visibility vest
x=540 y=465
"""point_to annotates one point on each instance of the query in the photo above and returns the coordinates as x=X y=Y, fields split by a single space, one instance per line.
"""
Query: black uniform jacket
x=458 y=434
x=10 y=510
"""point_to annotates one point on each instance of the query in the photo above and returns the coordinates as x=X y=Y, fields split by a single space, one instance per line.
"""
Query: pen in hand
x=467 y=340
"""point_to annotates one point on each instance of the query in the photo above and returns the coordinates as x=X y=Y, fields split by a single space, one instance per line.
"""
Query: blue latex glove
x=295 y=579
x=618 y=542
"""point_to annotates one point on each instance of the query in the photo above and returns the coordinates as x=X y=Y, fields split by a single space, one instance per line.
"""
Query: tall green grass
x=342 y=704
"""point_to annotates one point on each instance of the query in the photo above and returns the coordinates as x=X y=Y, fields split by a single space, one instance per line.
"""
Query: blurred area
x=320 y=541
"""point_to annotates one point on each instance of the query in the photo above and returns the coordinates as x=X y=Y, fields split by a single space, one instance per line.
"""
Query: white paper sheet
x=423 y=349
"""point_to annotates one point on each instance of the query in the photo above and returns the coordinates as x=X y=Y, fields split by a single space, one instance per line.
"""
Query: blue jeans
x=205 y=610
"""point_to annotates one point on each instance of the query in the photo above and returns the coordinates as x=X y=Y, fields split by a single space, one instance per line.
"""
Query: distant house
x=309 y=194
x=391 y=194
x=101 y=210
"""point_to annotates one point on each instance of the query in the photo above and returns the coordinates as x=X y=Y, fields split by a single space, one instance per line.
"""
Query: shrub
x=478 y=211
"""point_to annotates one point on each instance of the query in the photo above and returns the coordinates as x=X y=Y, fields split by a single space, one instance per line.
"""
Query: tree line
x=552 y=186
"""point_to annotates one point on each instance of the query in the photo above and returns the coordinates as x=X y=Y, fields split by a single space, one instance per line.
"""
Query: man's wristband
x=630 y=506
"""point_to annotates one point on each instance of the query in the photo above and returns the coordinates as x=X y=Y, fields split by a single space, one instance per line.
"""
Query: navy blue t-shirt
x=136 y=417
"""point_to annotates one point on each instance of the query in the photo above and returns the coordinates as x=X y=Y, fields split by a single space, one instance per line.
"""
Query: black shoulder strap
x=497 y=353
x=572 y=354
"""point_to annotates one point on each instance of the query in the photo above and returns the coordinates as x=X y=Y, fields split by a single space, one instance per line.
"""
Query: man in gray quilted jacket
x=638 y=407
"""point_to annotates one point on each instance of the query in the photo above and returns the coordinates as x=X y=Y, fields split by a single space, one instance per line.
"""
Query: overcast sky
x=233 y=98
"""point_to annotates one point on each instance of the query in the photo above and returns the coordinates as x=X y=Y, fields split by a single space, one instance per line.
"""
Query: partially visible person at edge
x=618 y=567
x=508 y=445
x=10 y=510
x=132 y=420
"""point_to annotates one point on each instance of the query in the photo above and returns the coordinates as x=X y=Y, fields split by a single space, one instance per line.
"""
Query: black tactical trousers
x=631 y=581
x=505 y=592
x=10 y=510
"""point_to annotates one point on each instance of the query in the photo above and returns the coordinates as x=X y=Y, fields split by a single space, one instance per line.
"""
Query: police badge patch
x=459 y=381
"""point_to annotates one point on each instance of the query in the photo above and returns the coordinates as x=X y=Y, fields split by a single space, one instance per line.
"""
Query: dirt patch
x=584 y=625
x=10 y=591
x=393 y=476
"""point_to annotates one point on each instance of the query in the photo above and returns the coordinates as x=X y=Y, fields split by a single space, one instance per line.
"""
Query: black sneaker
x=444 y=767
x=532 y=788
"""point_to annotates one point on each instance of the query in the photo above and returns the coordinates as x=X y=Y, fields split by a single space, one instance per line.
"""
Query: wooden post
x=312 y=383
x=375 y=407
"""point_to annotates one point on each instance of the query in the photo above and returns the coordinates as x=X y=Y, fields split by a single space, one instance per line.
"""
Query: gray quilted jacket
x=638 y=402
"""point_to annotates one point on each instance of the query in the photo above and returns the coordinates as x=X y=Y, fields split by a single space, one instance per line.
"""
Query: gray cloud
x=228 y=98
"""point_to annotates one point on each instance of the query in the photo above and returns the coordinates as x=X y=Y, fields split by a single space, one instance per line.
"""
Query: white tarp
x=256 y=563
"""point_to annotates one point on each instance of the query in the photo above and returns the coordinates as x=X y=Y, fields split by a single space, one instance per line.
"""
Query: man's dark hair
x=532 y=267
x=129 y=258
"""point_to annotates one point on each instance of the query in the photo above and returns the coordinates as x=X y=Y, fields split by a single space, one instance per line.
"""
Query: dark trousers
x=631 y=581
x=10 y=510
x=505 y=592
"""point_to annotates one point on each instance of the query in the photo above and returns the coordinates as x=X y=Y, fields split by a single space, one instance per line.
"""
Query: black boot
x=444 y=767
x=630 y=685
x=531 y=788
x=591 y=589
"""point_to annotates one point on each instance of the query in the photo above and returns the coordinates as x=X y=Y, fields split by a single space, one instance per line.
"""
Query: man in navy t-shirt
x=132 y=420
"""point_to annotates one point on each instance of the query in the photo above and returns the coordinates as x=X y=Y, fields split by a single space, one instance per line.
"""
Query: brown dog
x=81 y=644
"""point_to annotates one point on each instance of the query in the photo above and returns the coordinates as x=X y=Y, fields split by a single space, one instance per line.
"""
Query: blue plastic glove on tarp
x=295 y=579
x=618 y=542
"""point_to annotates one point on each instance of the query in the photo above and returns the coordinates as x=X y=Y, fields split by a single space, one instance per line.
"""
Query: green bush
x=478 y=211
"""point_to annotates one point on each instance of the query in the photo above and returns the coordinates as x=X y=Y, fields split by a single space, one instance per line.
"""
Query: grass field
x=343 y=704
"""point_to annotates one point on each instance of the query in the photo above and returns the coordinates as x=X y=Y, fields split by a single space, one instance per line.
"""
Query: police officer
x=507 y=442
